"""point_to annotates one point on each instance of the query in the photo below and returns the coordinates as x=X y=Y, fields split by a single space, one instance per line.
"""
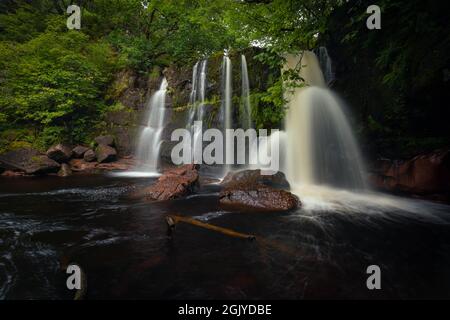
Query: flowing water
x=226 y=108
x=149 y=140
x=319 y=251
x=325 y=64
x=246 y=117
x=321 y=148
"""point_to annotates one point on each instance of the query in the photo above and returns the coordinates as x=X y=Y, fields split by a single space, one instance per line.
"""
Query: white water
x=227 y=105
x=197 y=102
x=246 y=116
x=325 y=64
x=321 y=148
x=149 y=141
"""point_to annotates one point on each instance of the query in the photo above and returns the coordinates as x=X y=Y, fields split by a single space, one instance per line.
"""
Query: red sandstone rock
x=174 y=183
x=259 y=197
x=424 y=174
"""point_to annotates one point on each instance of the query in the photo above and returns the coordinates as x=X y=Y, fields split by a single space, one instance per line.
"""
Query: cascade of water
x=325 y=64
x=246 y=117
x=193 y=96
x=227 y=103
x=197 y=101
x=321 y=148
x=149 y=141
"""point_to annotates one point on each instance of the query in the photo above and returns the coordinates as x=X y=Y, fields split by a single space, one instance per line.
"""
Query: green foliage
x=268 y=108
x=55 y=79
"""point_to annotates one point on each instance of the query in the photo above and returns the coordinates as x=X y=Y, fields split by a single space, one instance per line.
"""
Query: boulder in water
x=258 y=197
x=65 y=170
x=29 y=161
x=174 y=183
x=105 y=153
x=79 y=151
x=60 y=153
x=89 y=156
x=107 y=140
x=251 y=177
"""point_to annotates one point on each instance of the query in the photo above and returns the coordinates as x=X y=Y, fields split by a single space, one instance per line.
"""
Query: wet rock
x=105 y=153
x=174 y=183
x=251 y=177
x=29 y=161
x=60 y=153
x=78 y=165
x=9 y=173
x=258 y=197
x=65 y=170
x=424 y=174
x=107 y=140
x=78 y=151
x=89 y=156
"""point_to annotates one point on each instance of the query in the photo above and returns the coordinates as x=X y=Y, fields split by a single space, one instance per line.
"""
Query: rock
x=78 y=165
x=9 y=173
x=105 y=153
x=424 y=174
x=79 y=151
x=28 y=160
x=107 y=140
x=89 y=156
x=251 y=177
x=65 y=170
x=174 y=183
x=258 y=197
x=60 y=153
x=123 y=141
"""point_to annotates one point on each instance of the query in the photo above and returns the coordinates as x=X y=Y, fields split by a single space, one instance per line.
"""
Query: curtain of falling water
x=149 y=140
x=321 y=148
x=246 y=117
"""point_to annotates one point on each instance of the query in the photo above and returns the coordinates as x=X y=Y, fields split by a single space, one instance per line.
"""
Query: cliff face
x=133 y=92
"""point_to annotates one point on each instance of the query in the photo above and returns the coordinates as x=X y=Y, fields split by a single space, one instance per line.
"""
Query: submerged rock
x=60 y=153
x=107 y=140
x=28 y=160
x=65 y=170
x=89 y=156
x=258 y=197
x=78 y=151
x=105 y=153
x=174 y=183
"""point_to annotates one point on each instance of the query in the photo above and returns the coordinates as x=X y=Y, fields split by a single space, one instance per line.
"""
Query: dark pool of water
x=319 y=251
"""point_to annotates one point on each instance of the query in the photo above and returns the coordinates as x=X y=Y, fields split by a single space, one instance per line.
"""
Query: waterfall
x=149 y=140
x=197 y=102
x=321 y=148
x=246 y=117
x=193 y=95
x=325 y=64
x=227 y=93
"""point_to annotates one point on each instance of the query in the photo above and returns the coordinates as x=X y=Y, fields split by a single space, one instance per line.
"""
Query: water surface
x=319 y=251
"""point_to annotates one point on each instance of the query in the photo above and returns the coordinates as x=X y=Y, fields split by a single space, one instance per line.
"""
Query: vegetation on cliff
x=60 y=85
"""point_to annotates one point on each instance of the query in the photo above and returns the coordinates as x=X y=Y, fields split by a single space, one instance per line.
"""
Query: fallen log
x=172 y=220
